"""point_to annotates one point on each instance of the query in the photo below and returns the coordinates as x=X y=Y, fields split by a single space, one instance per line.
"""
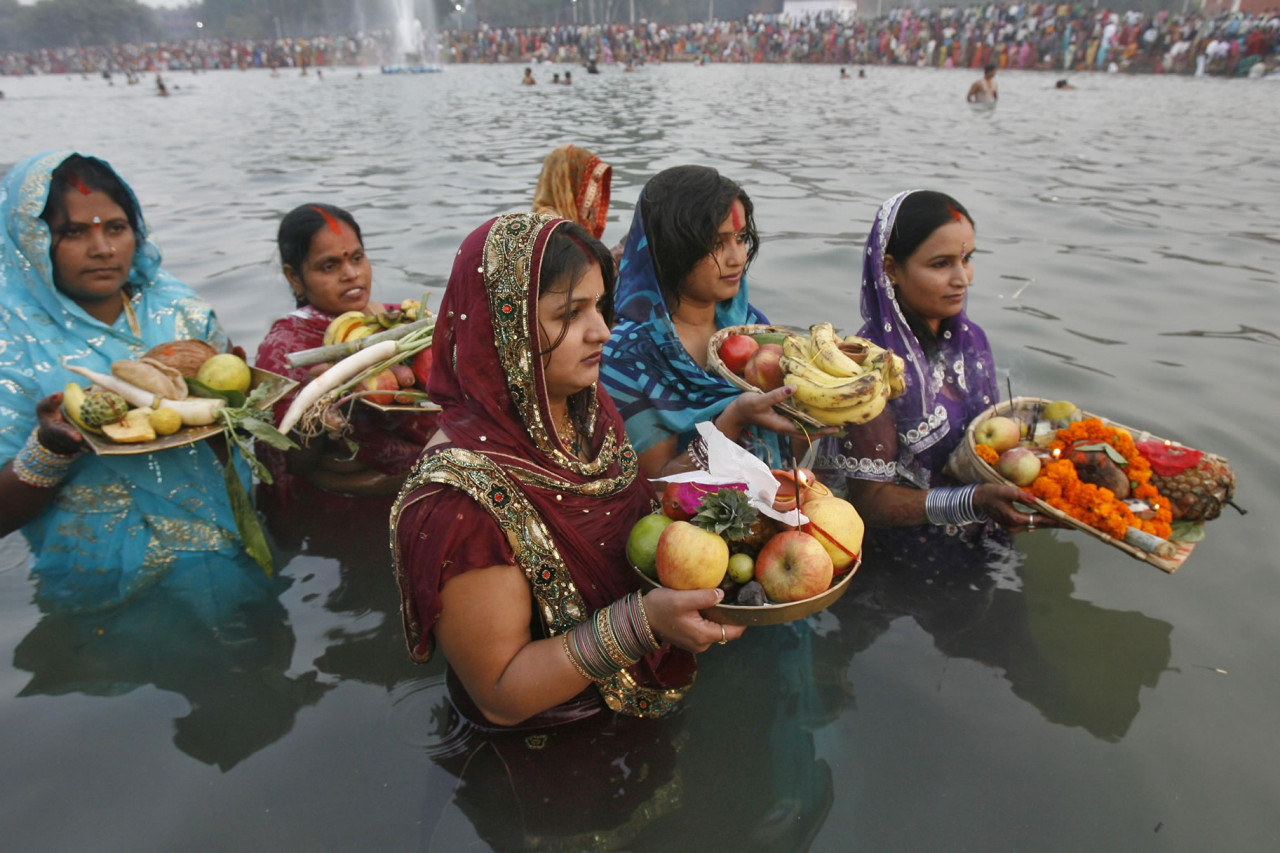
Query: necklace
x=567 y=431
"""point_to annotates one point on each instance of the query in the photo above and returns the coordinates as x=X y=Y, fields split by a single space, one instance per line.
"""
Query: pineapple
x=1199 y=492
x=729 y=514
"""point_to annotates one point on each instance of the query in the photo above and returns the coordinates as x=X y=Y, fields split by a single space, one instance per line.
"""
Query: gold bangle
x=604 y=627
x=573 y=659
x=644 y=619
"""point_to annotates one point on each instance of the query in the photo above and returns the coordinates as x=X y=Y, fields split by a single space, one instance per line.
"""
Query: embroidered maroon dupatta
x=563 y=521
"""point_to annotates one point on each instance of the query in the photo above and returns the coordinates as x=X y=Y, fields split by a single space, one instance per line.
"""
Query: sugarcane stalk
x=337 y=352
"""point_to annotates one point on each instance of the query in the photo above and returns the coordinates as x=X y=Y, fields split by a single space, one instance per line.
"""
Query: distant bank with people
x=1009 y=36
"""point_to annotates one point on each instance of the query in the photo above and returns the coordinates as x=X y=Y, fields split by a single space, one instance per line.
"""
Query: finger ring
x=1031 y=521
x=723 y=639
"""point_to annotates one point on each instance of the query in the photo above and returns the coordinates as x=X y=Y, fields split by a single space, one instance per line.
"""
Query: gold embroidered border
x=559 y=602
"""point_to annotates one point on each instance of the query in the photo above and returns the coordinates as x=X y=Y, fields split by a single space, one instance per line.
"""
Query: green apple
x=741 y=568
x=642 y=542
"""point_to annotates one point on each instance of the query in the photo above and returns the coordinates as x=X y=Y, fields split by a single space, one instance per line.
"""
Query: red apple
x=764 y=368
x=838 y=527
x=422 y=366
x=999 y=433
x=793 y=565
x=1019 y=466
x=689 y=557
x=384 y=381
x=735 y=351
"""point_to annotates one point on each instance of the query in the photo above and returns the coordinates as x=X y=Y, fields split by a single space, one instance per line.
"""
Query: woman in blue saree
x=80 y=283
x=681 y=279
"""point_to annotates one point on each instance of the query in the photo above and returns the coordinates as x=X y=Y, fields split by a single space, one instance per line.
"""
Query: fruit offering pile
x=1097 y=474
x=353 y=325
x=711 y=536
x=838 y=380
x=403 y=383
x=177 y=384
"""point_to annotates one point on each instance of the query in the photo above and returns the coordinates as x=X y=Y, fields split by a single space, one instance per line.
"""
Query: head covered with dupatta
x=120 y=522
x=659 y=388
x=963 y=359
x=575 y=185
x=566 y=519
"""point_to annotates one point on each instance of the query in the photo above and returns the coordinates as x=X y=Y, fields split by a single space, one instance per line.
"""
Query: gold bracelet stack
x=37 y=466
x=614 y=638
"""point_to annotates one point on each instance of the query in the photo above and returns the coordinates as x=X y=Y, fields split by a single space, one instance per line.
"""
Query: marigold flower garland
x=1059 y=486
x=987 y=454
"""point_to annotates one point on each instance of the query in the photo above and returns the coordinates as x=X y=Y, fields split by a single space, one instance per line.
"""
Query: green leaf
x=251 y=532
x=1102 y=447
x=264 y=431
x=1187 y=531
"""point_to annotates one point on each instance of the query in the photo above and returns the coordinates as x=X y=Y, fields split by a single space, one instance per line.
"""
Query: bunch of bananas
x=840 y=381
x=357 y=324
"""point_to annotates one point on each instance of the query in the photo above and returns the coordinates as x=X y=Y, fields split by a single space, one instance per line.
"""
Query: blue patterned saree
x=120 y=523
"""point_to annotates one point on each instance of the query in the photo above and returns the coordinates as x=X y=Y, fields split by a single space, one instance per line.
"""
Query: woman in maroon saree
x=324 y=261
x=509 y=535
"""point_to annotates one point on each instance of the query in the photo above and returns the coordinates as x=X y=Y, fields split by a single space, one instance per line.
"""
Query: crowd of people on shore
x=1060 y=37
x=1027 y=36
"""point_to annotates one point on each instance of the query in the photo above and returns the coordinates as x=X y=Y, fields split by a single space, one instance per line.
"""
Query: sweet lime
x=165 y=421
x=225 y=372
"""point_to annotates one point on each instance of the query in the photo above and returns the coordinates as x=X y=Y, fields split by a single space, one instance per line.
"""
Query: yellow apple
x=838 y=527
x=689 y=557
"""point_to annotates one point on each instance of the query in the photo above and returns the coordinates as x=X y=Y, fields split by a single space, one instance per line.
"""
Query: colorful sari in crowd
x=575 y=185
x=388 y=442
x=503 y=492
x=121 y=523
x=658 y=387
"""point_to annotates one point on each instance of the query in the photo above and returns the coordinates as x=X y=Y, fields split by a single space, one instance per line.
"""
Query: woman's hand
x=997 y=502
x=55 y=433
x=755 y=408
x=674 y=615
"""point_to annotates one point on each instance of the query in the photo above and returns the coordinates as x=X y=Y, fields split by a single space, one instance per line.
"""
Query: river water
x=1128 y=242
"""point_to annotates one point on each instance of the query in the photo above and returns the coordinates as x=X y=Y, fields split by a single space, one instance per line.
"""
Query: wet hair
x=1062 y=84
x=682 y=208
x=920 y=214
x=86 y=174
x=299 y=225
x=988 y=68
x=569 y=253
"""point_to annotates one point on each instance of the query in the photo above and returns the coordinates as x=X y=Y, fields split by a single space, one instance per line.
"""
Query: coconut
x=185 y=356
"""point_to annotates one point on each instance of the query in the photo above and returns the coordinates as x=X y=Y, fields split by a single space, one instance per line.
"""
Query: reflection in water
x=226 y=652
x=367 y=646
x=1079 y=664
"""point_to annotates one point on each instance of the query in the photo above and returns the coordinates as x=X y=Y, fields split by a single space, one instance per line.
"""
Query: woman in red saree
x=322 y=251
x=509 y=536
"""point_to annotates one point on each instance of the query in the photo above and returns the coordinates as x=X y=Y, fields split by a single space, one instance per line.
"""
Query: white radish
x=334 y=377
x=133 y=395
x=194 y=411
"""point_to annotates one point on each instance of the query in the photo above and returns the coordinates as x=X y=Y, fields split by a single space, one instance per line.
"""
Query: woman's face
x=92 y=250
x=335 y=276
x=718 y=276
x=936 y=276
x=574 y=363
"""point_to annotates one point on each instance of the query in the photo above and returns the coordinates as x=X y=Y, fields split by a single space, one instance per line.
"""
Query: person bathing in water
x=984 y=91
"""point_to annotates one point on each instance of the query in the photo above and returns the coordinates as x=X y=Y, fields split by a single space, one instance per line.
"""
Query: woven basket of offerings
x=1180 y=487
x=762 y=333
